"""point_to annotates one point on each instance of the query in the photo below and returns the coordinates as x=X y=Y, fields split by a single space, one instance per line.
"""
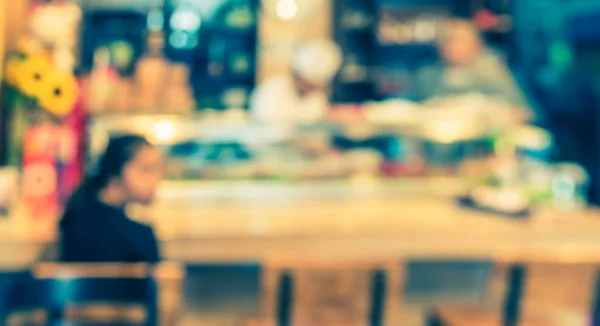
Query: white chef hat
x=317 y=61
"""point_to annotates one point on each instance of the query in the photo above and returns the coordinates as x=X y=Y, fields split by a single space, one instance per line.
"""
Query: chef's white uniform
x=277 y=100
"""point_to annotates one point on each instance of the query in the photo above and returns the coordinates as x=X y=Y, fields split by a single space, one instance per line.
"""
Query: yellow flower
x=59 y=93
x=32 y=74
x=13 y=66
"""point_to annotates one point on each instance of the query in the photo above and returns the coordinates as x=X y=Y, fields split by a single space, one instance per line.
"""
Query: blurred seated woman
x=94 y=227
x=466 y=66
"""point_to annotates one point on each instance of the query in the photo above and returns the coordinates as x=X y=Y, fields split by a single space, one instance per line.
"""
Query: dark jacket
x=95 y=232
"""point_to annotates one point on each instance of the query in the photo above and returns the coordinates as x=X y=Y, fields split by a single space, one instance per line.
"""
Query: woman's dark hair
x=118 y=153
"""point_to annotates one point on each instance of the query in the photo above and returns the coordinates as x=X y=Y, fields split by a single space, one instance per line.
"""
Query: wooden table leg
x=516 y=286
x=285 y=294
x=379 y=285
x=277 y=288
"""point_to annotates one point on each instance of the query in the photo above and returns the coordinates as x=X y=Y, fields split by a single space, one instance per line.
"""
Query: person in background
x=301 y=95
x=466 y=66
x=94 y=227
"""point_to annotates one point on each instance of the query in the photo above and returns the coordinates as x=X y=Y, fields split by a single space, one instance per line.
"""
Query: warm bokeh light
x=287 y=9
x=164 y=130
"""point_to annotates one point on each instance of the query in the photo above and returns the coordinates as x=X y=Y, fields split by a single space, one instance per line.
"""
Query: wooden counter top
x=410 y=226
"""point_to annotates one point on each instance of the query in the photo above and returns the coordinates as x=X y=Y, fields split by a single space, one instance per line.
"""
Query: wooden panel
x=332 y=290
x=331 y=297
x=550 y=286
x=476 y=317
x=278 y=38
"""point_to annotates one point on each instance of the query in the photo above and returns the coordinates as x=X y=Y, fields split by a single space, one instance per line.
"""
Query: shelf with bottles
x=405 y=37
x=353 y=30
x=223 y=97
x=119 y=32
x=354 y=82
x=224 y=54
x=237 y=15
x=226 y=59
x=403 y=24
x=355 y=16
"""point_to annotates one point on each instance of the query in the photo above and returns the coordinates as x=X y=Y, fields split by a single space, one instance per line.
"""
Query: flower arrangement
x=41 y=95
x=36 y=92
x=34 y=84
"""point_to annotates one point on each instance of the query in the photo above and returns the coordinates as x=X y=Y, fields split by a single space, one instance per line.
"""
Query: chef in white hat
x=301 y=95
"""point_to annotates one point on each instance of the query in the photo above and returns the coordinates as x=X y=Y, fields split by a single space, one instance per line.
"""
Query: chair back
x=56 y=288
x=518 y=267
x=348 y=284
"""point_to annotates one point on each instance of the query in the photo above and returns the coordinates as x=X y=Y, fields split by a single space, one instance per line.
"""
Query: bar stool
x=296 y=286
x=88 y=294
x=510 y=314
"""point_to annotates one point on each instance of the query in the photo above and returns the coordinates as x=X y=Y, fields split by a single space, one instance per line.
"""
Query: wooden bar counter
x=410 y=224
x=408 y=227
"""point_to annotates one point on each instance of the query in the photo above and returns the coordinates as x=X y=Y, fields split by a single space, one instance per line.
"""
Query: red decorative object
x=40 y=174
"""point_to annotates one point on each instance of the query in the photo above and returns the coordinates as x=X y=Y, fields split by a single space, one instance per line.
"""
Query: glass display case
x=226 y=147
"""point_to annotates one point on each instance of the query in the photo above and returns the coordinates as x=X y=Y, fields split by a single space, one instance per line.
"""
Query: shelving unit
x=212 y=44
x=354 y=22
x=222 y=53
x=105 y=25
